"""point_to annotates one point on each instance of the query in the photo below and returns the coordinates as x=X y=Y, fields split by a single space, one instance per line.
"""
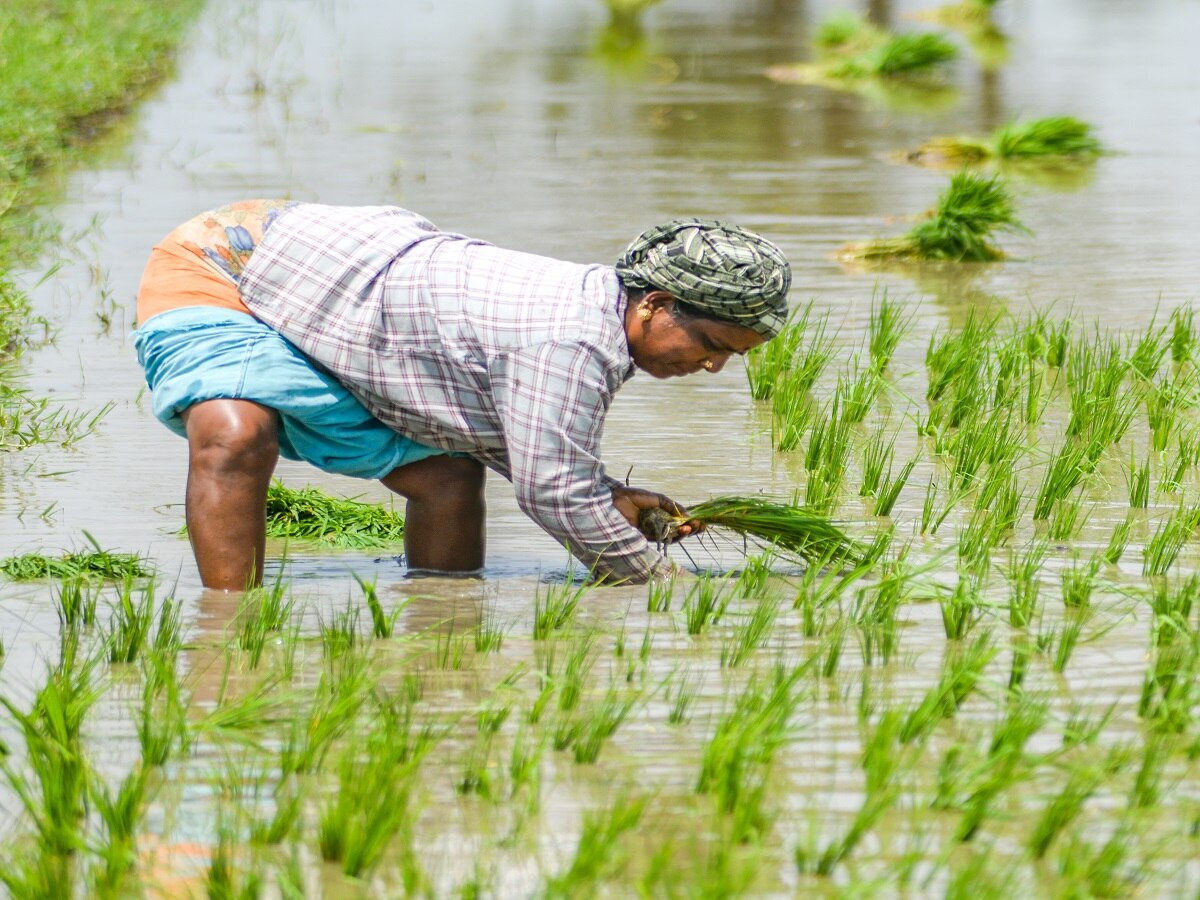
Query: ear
x=656 y=300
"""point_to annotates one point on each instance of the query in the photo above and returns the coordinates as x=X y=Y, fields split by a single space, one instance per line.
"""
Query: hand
x=631 y=502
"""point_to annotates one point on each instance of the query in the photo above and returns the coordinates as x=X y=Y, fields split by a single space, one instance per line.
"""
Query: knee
x=230 y=444
x=445 y=480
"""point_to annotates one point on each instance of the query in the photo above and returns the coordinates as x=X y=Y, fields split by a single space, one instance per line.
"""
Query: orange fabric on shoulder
x=176 y=277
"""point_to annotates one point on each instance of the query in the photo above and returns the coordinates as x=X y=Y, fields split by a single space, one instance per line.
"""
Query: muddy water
x=519 y=123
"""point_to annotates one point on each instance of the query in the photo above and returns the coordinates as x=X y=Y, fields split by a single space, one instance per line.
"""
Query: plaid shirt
x=508 y=357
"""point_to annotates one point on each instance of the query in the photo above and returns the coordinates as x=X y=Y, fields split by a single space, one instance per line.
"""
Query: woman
x=369 y=343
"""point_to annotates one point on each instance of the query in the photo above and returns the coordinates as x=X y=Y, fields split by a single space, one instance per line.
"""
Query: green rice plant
x=224 y=878
x=1068 y=466
x=598 y=855
x=336 y=703
x=1078 y=582
x=1166 y=403
x=450 y=651
x=1148 y=352
x=792 y=411
x=1066 y=638
x=1169 y=688
x=129 y=625
x=767 y=363
x=309 y=514
x=843 y=30
x=1053 y=136
x=890 y=488
x=1081 y=782
x=1183 y=334
x=97 y=564
x=286 y=811
x=489 y=633
x=750 y=633
x=705 y=604
x=1166 y=544
x=262 y=613
x=877 y=456
x=382 y=623
x=371 y=805
x=339 y=633
x=958 y=229
x=1034 y=407
x=827 y=455
x=581 y=657
x=476 y=777
x=1106 y=870
x=75 y=602
x=555 y=608
x=682 y=695
x=1117 y=542
x=858 y=393
x=54 y=795
x=962 y=608
x=120 y=813
x=1146 y=791
x=1138 y=479
x=659 y=594
x=525 y=764
x=1101 y=411
x=1067 y=519
x=960 y=675
x=600 y=722
x=791 y=531
x=1082 y=728
x=1022 y=573
x=162 y=720
x=888 y=325
x=754 y=580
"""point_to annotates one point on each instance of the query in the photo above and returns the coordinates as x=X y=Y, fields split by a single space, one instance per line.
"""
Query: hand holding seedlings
x=657 y=516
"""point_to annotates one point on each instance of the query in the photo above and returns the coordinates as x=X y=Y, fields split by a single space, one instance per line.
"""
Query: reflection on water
x=540 y=126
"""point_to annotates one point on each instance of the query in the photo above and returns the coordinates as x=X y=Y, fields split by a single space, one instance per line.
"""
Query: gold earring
x=708 y=365
x=645 y=313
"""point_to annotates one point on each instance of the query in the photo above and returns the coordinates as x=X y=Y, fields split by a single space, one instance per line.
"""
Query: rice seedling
x=1066 y=638
x=902 y=55
x=958 y=229
x=262 y=613
x=858 y=393
x=791 y=531
x=1068 y=466
x=1053 y=136
x=1117 y=542
x=754 y=580
x=581 y=657
x=161 y=723
x=75 y=602
x=1166 y=544
x=600 y=722
x=705 y=604
x=843 y=30
x=555 y=609
x=598 y=853
x=1067 y=519
x=1105 y=870
x=962 y=608
x=1082 y=781
x=792 y=411
x=224 y=879
x=339 y=632
x=1138 y=479
x=450 y=651
x=682 y=695
x=888 y=325
x=1169 y=689
x=1078 y=582
x=382 y=623
x=476 y=777
x=960 y=675
x=659 y=594
x=489 y=633
x=1183 y=334
x=767 y=363
x=1022 y=573
x=749 y=634
x=120 y=813
x=890 y=488
x=308 y=514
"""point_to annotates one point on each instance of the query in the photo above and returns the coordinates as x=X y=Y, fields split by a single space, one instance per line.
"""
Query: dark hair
x=681 y=310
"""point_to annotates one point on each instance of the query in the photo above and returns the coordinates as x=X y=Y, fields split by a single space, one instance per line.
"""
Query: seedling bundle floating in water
x=791 y=530
x=851 y=49
x=1055 y=137
x=958 y=229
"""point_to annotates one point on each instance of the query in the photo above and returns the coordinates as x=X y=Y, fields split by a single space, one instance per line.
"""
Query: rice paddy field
x=997 y=697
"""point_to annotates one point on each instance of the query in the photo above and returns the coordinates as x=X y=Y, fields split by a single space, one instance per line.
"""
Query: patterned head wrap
x=723 y=270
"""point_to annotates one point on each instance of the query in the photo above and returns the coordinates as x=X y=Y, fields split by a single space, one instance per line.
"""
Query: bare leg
x=444 y=525
x=233 y=447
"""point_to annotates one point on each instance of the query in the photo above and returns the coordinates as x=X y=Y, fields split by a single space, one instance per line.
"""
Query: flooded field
x=1003 y=703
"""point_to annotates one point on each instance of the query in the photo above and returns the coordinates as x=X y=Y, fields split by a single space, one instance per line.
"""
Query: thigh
x=436 y=476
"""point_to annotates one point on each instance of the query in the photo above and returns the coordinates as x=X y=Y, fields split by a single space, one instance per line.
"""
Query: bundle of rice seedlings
x=957 y=229
x=791 y=530
x=847 y=32
x=1054 y=136
x=901 y=55
x=312 y=515
x=95 y=564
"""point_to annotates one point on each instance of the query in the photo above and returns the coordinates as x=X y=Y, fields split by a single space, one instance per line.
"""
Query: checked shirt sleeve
x=552 y=400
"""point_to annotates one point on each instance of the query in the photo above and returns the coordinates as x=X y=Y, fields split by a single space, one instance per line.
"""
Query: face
x=665 y=346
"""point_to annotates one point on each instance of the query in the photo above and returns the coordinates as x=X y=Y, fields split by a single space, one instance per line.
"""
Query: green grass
x=86 y=565
x=308 y=514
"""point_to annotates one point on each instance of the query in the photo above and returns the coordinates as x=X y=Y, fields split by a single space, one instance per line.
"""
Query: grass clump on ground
x=312 y=515
x=1054 y=137
x=67 y=66
x=91 y=564
x=958 y=229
